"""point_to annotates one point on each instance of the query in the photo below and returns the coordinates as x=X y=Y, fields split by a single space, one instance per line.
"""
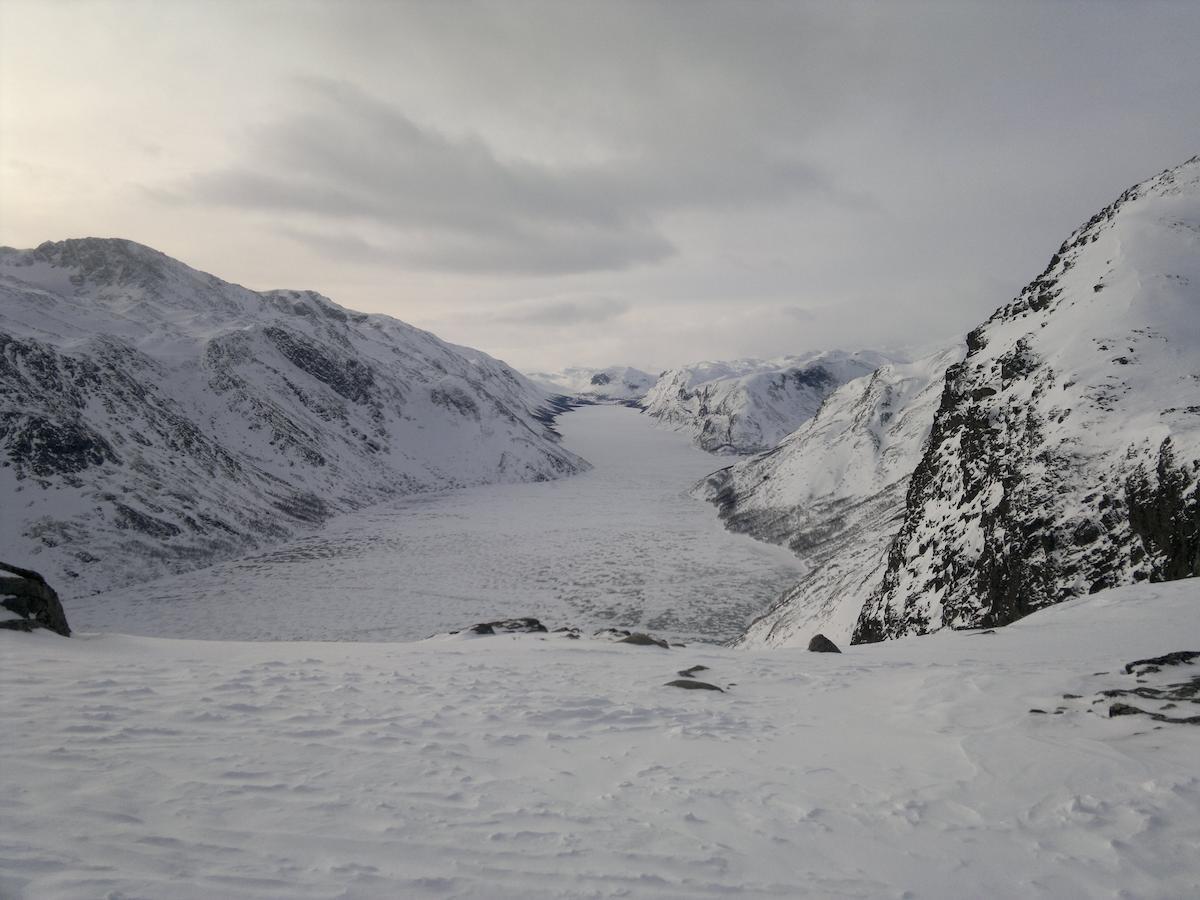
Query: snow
x=539 y=767
x=621 y=545
x=749 y=405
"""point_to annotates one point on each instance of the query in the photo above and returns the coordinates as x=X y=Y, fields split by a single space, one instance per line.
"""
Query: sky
x=578 y=183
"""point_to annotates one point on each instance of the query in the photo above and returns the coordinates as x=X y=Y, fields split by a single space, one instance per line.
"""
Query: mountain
x=1065 y=453
x=749 y=405
x=613 y=383
x=154 y=418
x=833 y=492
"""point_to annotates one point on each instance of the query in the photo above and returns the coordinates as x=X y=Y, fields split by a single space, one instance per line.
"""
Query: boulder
x=644 y=640
x=822 y=644
x=35 y=603
x=691 y=684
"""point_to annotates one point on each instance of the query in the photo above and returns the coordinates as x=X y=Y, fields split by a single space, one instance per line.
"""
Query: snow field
x=536 y=766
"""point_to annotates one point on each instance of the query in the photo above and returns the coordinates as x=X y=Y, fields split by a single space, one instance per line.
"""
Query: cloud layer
x=603 y=182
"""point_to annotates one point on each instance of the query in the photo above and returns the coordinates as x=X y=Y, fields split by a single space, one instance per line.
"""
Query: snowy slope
x=154 y=418
x=613 y=383
x=749 y=405
x=833 y=492
x=1065 y=454
x=533 y=768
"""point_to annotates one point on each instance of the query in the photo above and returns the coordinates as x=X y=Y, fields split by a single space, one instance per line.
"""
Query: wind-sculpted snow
x=833 y=492
x=154 y=418
x=1065 y=454
x=613 y=383
x=621 y=545
x=749 y=405
x=530 y=767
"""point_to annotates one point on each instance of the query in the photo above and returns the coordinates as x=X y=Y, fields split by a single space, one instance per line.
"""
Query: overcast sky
x=597 y=183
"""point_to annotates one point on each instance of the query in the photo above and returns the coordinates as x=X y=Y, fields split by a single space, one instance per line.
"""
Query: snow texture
x=154 y=418
x=613 y=383
x=622 y=545
x=749 y=405
x=833 y=492
x=1065 y=454
x=531 y=767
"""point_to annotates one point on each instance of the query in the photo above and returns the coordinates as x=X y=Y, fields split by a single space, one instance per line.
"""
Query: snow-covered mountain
x=154 y=418
x=749 y=405
x=613 y=383
x=1065 y=454
x=833 y=492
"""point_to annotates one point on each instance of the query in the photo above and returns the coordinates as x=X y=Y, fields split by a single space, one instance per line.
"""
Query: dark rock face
x=691 y=684
x=822 y=644
x=28 y=596
x=1165 y=514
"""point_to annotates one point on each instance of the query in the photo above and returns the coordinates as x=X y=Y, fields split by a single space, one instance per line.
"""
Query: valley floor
x=622 y=545
x=537 y=766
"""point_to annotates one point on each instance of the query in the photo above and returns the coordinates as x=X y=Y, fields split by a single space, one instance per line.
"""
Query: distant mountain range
x=749 y=405
x=613 y=383
x=154 y=418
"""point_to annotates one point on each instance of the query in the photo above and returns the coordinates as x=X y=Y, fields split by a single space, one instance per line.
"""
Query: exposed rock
x=30 y=597
x=644 y=640
x=1155 y=664
x=822 y=644
x=523 y=625
x=691 y=684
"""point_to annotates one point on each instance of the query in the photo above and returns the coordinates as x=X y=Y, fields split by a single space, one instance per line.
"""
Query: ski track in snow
x=538 y=767
x=622 y=545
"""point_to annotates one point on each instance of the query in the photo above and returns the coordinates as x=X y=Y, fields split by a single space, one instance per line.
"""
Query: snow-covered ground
x=536 y=766
x=622 y=545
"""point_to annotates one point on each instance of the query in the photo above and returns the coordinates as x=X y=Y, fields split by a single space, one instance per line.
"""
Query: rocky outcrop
x=31 y=601
x=1065 y=453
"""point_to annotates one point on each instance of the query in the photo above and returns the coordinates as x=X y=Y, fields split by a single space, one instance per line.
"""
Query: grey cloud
x=563 y=312
x=373 y=177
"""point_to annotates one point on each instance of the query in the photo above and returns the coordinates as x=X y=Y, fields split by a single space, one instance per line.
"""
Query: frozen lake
x=622 y=545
